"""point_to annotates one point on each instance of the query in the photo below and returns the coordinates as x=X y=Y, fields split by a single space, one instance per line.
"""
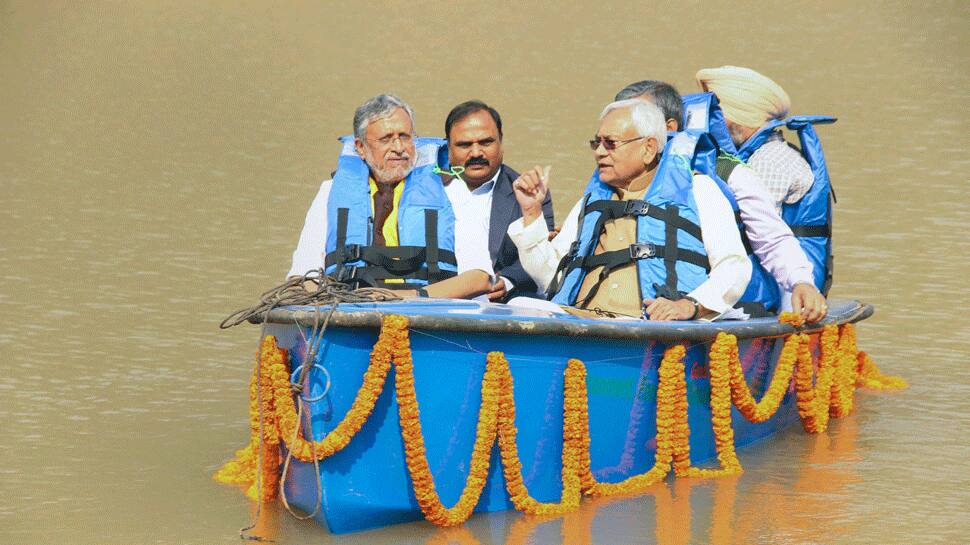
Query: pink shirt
x=771 y=238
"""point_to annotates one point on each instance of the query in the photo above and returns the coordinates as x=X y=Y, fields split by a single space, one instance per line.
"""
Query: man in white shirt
x=482 y=194
x=771 y=239
x=627 y=148
x=384 y=138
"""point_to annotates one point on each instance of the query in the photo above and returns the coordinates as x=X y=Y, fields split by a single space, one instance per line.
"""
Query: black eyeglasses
x=609 y=143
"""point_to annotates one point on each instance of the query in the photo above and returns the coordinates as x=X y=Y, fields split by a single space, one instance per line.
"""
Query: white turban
x=747 y=97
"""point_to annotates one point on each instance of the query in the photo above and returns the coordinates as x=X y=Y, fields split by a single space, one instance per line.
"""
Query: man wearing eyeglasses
x=384 y=219
x=772 y=241
x=481 y=193
x=655 y=239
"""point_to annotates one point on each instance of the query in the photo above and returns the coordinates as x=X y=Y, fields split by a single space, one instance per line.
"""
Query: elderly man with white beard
x=384 y=219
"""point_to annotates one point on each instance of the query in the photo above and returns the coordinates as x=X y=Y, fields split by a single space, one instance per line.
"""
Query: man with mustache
x=482 y=193
x=384 y=219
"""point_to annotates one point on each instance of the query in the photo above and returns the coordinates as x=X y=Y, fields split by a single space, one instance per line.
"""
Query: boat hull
x=367 y=485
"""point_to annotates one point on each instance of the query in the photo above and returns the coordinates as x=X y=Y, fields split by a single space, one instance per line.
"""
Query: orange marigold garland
x=829 y=392
x=279 y=418
x=416 y=459
x=842 y=398
x=724 y=352
x=814 y=397
x=245 y=468
x=574 y=429
x=722 y=388
x=869 y=375
x=671 y=375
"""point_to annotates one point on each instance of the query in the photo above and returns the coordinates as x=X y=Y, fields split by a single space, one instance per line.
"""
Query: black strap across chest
x=372 y=266
x=611 y=260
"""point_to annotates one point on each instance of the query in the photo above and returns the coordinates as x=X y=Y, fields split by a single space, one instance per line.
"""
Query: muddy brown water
x=156 y=162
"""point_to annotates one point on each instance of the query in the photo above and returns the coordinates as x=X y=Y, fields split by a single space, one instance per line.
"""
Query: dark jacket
x=505 y=255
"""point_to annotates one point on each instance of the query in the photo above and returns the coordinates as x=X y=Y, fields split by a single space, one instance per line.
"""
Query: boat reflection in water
x=798 y=506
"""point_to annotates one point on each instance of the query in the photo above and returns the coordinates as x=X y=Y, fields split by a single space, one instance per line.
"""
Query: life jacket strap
x=373 y=265
x=394 y=260
x=811 y=230
x=375 y=277
x=615 y=259
x=611 y=210
x=754 y=309
x=560 y=274
x=431 y=242
x=671 y=255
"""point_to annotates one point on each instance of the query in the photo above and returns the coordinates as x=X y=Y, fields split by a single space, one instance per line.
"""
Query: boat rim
x=463 y=316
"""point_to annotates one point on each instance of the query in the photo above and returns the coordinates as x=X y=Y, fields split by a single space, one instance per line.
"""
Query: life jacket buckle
x=643 y=251
x=573 y=248
x=636 y=208
x=351 y=252
x=347 y=273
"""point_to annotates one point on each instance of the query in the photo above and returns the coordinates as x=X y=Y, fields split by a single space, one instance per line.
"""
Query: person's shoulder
x=508 y=174
x=706 y=189
x=781 y=149
x=703 y=180
x=743 y=174
x=323 y=194
x=325 y=187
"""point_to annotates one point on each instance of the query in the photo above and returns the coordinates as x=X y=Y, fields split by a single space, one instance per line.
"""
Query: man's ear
x=650 y=149
x=672 y=125
x=359 y=146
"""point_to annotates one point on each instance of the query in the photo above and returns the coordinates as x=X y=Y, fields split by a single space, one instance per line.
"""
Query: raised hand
x=530 y=190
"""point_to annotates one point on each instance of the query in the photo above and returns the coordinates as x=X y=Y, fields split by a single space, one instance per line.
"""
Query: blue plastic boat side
x=367 y=484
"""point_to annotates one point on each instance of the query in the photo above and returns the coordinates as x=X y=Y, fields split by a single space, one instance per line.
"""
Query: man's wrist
x=696 y=307
x=530 y=215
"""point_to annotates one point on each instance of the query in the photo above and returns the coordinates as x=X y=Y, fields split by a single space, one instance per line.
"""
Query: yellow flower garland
x=417 y=462
x=274 y=405
x=827 y=392
x=869 y=375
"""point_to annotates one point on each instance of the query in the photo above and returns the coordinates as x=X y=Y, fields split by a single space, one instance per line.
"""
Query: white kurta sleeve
x=312 y=245
x=730 y=267
x=539 y=256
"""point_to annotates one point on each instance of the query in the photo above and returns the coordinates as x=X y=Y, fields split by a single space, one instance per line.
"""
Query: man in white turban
x=750 y=100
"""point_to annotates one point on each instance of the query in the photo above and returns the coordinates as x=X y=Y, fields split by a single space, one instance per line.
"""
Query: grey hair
x=661 y=93
x=378 y=107
x=646 y=117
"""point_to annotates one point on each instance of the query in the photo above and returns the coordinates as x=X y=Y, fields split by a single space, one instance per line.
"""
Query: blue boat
x=367 y=483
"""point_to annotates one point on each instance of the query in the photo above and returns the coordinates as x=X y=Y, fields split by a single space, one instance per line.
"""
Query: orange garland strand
x=417 y=461
x=829 y=392
x=280 y=418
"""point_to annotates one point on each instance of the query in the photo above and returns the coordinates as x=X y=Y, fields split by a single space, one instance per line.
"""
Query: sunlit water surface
x=156 y=162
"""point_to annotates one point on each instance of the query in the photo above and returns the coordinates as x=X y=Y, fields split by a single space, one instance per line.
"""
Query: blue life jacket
x=702 y=112
x=425 y=224
x=810 y=218
x=669 y=252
